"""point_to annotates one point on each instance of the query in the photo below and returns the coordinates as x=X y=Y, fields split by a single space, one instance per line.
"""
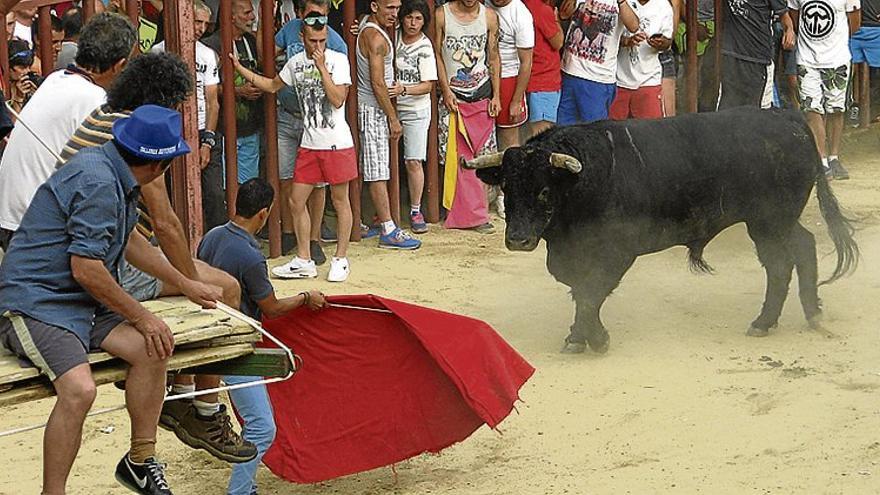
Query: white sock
x=413 y=209
x=832 y=158
x=388 y=227
x=177 y=388
x=206 y=409
x=824 y=163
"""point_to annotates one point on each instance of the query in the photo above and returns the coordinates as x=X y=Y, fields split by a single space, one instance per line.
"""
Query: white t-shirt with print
x=54 y=112
x=207 y=74
x=823 y=32
x=324 y=126
x=416 y=63
x=593 y=40
x=516 y=29
x=639 y=65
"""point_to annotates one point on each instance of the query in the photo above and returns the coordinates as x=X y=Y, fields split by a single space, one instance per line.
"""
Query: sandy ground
x=683 y=402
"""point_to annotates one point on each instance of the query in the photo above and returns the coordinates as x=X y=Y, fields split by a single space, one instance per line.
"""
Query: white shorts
x=823 y=91
x=375 y=153
x=415 y=133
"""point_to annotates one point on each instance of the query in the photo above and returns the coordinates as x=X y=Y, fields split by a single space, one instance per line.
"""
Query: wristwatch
x=208 y=137
x=403 y=93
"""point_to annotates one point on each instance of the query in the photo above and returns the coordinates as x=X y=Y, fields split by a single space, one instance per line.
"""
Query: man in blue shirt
x=234 y=249
x=60 y=296
x=288 y=41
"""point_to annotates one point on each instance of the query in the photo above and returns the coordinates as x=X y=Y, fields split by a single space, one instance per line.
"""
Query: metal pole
x=432 y=169
x=44 y=31
x=271 y=124
x=186 y=172
x=691 y=75
x=354 y=188
x=227 y=84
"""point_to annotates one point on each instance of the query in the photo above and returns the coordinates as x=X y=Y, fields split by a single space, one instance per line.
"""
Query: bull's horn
x=568 y=162
x=485 y=161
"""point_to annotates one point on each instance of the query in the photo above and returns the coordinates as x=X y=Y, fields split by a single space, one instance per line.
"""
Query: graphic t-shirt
x=289 y=38
x=639 y=65
x=415 y=63
x=207 y=74
x=823 y=32
x=593 y=40
x=747 y=34
x=516 y=29
x=546 y=74
x=324 y=126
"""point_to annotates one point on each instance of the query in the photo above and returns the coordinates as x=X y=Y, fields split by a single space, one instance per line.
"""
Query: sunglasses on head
x=22 y=54
x=317 y=21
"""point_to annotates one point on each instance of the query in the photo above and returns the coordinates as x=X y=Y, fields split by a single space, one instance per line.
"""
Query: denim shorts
x=865 y=46
x=290 y=131
x=543 y=106
x=583 y=100
x=415 y=133
x=248 y=157
x=139 y=285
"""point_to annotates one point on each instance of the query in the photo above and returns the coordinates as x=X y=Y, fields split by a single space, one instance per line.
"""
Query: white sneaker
x=296 y=268
x=339 y=270
x=499 y=206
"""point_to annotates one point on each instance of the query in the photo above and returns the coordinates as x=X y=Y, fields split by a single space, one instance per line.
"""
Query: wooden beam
x=186 y=172
x=691 y=72
x=44 y=33
x=4 y=62
x=133 y=9
x=227 y=105
x=864 y=94
x=88 y=10
x=270 y=130
x=351 y=110
x=263 y=362
x=432 y=168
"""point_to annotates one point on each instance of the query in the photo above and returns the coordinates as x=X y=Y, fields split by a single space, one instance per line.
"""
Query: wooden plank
x=41 y=388
x=251 y=338
x=263 y=362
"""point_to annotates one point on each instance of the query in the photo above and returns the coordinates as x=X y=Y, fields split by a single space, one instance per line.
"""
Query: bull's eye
x=544 y=195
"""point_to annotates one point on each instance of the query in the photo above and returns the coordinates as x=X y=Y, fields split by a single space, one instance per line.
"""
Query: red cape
x=376 y=388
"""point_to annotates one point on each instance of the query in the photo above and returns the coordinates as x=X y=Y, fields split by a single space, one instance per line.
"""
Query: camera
x=33 y=77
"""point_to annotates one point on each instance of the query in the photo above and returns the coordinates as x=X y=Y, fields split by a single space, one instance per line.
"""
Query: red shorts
x=330 y=166
x=642 y=103
x=508 y=86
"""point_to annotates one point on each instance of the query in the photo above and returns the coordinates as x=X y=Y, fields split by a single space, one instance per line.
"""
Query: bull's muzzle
x=524 y=244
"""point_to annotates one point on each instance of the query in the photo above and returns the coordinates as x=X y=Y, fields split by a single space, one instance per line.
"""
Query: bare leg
x=835 y=131
x=667 y=86
x=379 y=195
x=536 y=128
x=287 y=206
x=817 y=125
x=793 y=90
x=416 y=176
x=339 y=196
x=507 y=137
x=61 y=440
x=301 y=220
x=316 y=212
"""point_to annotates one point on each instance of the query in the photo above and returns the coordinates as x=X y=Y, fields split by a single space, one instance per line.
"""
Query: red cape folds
x=376 y=388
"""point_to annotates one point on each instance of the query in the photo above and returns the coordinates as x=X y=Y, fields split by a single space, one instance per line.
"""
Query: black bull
x=605 y=193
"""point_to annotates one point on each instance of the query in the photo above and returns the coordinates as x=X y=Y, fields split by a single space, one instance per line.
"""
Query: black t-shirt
x=747 y=34
x=870 y=13
x=248 y=114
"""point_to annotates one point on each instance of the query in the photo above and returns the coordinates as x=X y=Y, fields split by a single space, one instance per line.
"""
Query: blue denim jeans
x=248 y=157
x=252 y=404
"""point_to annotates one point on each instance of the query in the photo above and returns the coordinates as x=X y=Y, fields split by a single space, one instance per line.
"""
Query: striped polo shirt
x=96 y=130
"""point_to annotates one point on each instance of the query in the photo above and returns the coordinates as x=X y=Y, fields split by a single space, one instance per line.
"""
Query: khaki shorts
x=52 y=349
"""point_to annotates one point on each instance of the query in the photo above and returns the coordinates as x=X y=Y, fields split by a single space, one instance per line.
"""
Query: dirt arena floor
x=684 y=402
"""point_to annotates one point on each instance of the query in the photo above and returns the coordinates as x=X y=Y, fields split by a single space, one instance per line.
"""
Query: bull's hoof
x=599 y=343
x=757 y=332
x=574 y=347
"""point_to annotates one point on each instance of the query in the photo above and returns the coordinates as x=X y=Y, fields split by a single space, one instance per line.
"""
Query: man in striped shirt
x=163 y=79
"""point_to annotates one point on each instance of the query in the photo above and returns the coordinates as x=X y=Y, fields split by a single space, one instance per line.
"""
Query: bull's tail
x=840 y=229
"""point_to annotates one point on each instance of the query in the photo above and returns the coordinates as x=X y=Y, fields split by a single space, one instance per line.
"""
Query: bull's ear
x=492 y=175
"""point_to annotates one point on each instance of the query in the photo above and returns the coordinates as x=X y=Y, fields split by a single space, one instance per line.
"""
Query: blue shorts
x=865 y=46
x=248 y=157
x=584 y=101
x=543 y=106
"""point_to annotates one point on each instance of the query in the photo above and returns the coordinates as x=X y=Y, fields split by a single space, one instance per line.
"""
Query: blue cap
x=151 y=132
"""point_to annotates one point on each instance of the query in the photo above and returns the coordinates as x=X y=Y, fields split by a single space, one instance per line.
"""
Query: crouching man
x=60 y=296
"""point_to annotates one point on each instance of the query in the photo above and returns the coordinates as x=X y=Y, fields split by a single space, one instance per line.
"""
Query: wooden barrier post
x=186 y=172
x=691 y=72
x=394 y=155
x=432 y=169
x=133 y=9
x=227 y=104
x=864 y=95
x=44 y=33
x=267 y=15
x=354 y=188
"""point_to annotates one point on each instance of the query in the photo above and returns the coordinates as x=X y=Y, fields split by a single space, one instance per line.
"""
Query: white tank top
x=465 y=53
x=365 y=88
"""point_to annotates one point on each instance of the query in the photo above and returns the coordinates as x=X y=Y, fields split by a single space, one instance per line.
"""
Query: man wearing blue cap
x=60 y=296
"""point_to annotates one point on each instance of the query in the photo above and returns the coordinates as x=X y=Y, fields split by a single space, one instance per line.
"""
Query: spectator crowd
x=88 y=167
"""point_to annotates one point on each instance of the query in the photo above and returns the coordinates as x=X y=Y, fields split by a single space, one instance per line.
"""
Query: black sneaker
x=147 y=478
x=288 y=243
x=316 y=253
x=328 y=235
x=837 y=168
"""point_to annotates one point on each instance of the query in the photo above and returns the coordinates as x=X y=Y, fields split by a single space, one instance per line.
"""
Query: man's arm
x=855 y=21
x=628 y=17
x=494 y=62
x=794 y=18
x=273 y=307
x=439 y=36
x=335 y=93
x=93 y=276
x=377 y=49
x=212 y=111
x=787 y=30
x=167 y=227
x=522 y=81
x=260 y=82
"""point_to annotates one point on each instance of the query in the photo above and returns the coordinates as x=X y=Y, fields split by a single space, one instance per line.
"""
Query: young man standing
x=543 y=90
x=589 y=58
x=60 y=298
x=824 y=28
x=516 y=40
x=639 y=72
x=234 y=249
x=321 y=78
x=377 y=117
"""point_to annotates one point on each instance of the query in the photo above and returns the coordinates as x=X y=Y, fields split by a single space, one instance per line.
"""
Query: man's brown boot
x=214 y=434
